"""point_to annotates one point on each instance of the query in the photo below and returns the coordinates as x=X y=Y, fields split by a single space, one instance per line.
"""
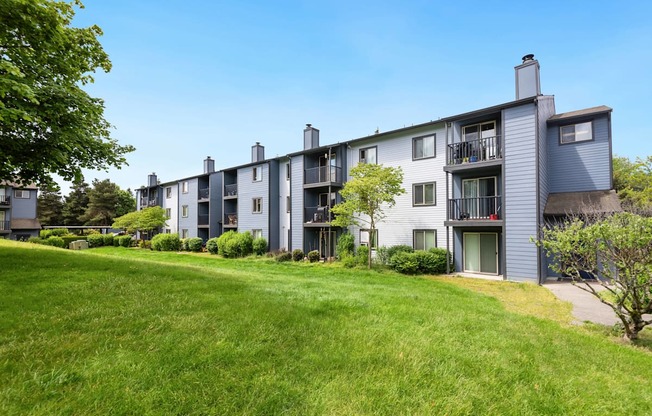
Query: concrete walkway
x=586 y=307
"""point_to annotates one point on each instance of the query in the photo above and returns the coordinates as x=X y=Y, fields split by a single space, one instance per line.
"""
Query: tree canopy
x=48 y=123
x=49 y=208
x=145 y=220
x=105 y=202
x=633 y=182
x=370 y=191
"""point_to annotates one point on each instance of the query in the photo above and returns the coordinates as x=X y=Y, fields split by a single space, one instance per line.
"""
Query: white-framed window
x=184 y=211
x=576 y=133
x=364 y=239
x=184 y=187
x=257 y=174
x=21 y=194
x=168 y=212
x=369 y=155
x=423 y=194
x=287 y=171
x=288 y=202
x=257 y=207
x=424 y=239
x=168 y=192
x=423 y=147
x=257 y=233
x=184 y=233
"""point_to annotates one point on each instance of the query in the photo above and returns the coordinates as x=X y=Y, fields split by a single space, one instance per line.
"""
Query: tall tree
x=49 y=207
x=103 y=201
x=75 y=203
x=126 y=202
x=48 y=123
x=371 y=190
x=633 y=182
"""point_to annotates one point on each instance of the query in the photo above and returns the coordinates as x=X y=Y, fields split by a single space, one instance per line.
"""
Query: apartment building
x=480 y=184
x=18 y=220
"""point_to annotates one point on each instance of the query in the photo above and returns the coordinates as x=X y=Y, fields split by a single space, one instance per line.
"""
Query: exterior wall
x=296 y=194
x=404 y=218
x=581 y=166
x=283 y=194
x=190 y=199
x=247 y=191
x=173 y=204
x=24 y=208
x=521 y=198
x=546 y=109
x=215 y=211
x=273 y=213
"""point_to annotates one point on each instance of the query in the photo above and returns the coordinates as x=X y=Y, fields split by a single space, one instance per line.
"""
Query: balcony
x=231 y=220
x=4 y=226
x=481 y=208
x=202 y=219
x=204 y=193
x=231 y=190
x=5 y=200
x=472 y=151
x=323 y=174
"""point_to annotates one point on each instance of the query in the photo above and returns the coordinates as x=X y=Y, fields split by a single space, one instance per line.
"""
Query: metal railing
x=202 y=219
x=480 y=208
x=204 y=193
x=5 y=226
x=5 y=200
x=479 y=150
x=231 y=189
x=316 y=215
x=231 y=220
x=323 y=174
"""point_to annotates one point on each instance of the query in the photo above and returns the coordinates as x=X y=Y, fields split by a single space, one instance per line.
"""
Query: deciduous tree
x=633 y=182
x=146 y=220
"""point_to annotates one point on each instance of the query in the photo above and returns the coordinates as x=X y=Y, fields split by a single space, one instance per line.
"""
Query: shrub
x=245 y=244
x=313 y=256
x=211 y=245
x=284 y=256
x=297 y=254
x=166 y=242
x=95 y=240
x=44 y=234
x=427 y=261
x=116 y=240
x=385 y=254
x=362 y=255
x=222 y=240
x=56 y=241
x=125 y=241
x=348 y=261
x=60 y=232
x=259 y=246
x=108 y=239
x=440 y=263
x=194 y=244
x=345 y=245
x=230 y=248
x=145 y=244
x=67 y=239
x=37 y=240
x=183 y=245
x=404 y=262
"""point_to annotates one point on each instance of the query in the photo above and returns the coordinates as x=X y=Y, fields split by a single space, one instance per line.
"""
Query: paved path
x=585 y=306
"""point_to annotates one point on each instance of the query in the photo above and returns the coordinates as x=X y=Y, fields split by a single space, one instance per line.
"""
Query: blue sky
x=195 y=78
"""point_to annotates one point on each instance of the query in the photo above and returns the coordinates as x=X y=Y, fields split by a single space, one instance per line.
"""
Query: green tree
x=49 y=208
x=126 y=202
x=146 y=220
x=633 y=182
x=75 y=203
x=371 y=190
x=48 y=123
x=619 y=248
x=103 y=201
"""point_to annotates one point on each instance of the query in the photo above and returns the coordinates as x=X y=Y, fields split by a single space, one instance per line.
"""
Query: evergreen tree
x=103 y=201
x=50 y=207
x=75 y=203
x=126 y=203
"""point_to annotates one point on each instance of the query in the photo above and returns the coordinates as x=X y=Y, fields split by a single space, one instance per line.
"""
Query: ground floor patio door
x=481 y=252
x=327 y=242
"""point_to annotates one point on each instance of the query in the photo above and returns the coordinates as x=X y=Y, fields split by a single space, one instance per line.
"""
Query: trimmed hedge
x=56 y=241
x=232 y=244
x=385 y=254
x=297 y=254
x=95 y=240
x=313 y=256
x=107 y=239
x=259 y=246
x=166 y=242
x=58 y=232
x=195 y=244
x=211 y=245
x=284 y=256
x=124 y=241
x=429 y=262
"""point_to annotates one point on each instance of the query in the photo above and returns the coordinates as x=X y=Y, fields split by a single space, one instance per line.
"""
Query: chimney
x=310 y=137
x=209 y=165
x=152 y=180
x=527 y=78
x=257 y=152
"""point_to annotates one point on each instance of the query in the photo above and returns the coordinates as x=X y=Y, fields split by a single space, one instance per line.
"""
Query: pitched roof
x=582 y=202
x=18 y=186
x=580 y=113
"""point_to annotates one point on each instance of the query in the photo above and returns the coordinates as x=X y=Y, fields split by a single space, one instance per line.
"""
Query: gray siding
x=546 y=109
x=247 y=191
x=581 y=166
x=284 y=216
x=521 y=197
x=296 y=193
x=190 y=199
x=24 y=207
x=173 y=204
x=215 y=209
x=274 y=205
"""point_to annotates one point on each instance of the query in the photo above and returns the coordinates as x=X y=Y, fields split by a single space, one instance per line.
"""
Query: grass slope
x=115 y=331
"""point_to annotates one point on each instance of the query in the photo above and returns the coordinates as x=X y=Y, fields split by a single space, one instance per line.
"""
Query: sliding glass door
x=481 y=252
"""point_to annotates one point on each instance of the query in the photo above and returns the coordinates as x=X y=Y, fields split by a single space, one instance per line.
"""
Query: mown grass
x=115 y=331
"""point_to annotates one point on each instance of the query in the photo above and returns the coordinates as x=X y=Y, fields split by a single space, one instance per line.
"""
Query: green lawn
x=128 y=331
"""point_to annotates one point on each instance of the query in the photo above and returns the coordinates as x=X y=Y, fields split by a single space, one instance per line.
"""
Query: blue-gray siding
x=545 y=110
x=215 y=211
x=190 y=199
x=274 y=202
x=24 y=207
x=296 y=195
x=247 y=191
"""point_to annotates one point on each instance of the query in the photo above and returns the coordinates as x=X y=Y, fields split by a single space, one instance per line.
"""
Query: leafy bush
x=95 y=240
x=35 y=240
x=145 y=244
x=56 y=241
x=125 y=241
x=385 y=254
x=67 y=239
x=404 y=262
x=183 y=245
x=313 y=256
x=245 y=244
x=222 y=242
x=166 y=242
x=297 y=254
x=348 y=261
x=428 y=262
x=440 y=262
x=284 y=256
x=346 y=245
x=259 y=246
x=230 y=249
x=44 y=234
x=211 y=245
x=195 y=244
x=361 y=257
x=116 y=240
x=108 y=239
x=53 y=232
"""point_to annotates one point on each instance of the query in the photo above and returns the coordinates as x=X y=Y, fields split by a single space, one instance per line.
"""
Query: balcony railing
x=480 y=208
x=479 y=150
x=5 y=200
x=202 y=219
x=231 y=189
x=231 y=220
x=204 y=193
x=316 y=215
x=323 y=174
x=4 y=226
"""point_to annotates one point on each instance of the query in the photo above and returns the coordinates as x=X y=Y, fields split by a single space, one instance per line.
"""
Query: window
x=257 y=205
x=368 y=155
x=168 y=192
x=168 y=231
x=288 y=203
x=423 y=194
x=19 y=194
x=184 y=211
x=257 y=174
x=324 y=202
x=287 y=171
x=168 y=212
x=257 y=233
x=184 y=187
x=184 y=233
x=576 y=133
x=424 y=239
x=423 y=147
x=364 y=239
